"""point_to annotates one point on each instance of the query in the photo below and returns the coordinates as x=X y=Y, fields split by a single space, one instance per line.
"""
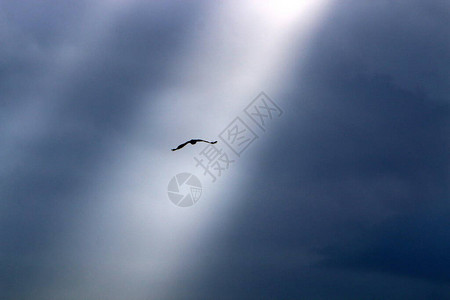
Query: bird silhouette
x=193 y=142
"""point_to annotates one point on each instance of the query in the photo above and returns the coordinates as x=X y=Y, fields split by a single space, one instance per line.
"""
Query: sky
x=342 y=193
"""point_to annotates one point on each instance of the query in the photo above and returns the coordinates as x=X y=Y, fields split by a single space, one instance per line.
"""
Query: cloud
x=62 y=112
x=358 y=175
x=345 y=197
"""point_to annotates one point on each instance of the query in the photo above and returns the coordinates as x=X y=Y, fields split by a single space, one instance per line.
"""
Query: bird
x=193 y=142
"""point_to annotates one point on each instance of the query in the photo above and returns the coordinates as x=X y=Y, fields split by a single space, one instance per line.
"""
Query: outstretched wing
x=193 y=142
x=206 y=141
x=181 y=146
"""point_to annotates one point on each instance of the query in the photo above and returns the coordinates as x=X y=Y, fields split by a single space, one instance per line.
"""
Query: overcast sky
x=343 y=194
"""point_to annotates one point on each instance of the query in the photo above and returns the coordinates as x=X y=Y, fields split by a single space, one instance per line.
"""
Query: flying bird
x=193 y=142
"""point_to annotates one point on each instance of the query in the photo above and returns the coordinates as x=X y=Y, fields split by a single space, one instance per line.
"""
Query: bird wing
x=181 y=146
x=206 y=141
x=193 y=141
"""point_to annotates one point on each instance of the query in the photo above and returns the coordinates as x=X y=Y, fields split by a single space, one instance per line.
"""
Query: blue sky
x=344 y=196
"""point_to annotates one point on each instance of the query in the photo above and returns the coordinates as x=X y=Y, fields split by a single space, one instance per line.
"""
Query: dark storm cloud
x=358 y=178
x=350 y=202
x=89 y=105
x=385 y=139
x=412 y=245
